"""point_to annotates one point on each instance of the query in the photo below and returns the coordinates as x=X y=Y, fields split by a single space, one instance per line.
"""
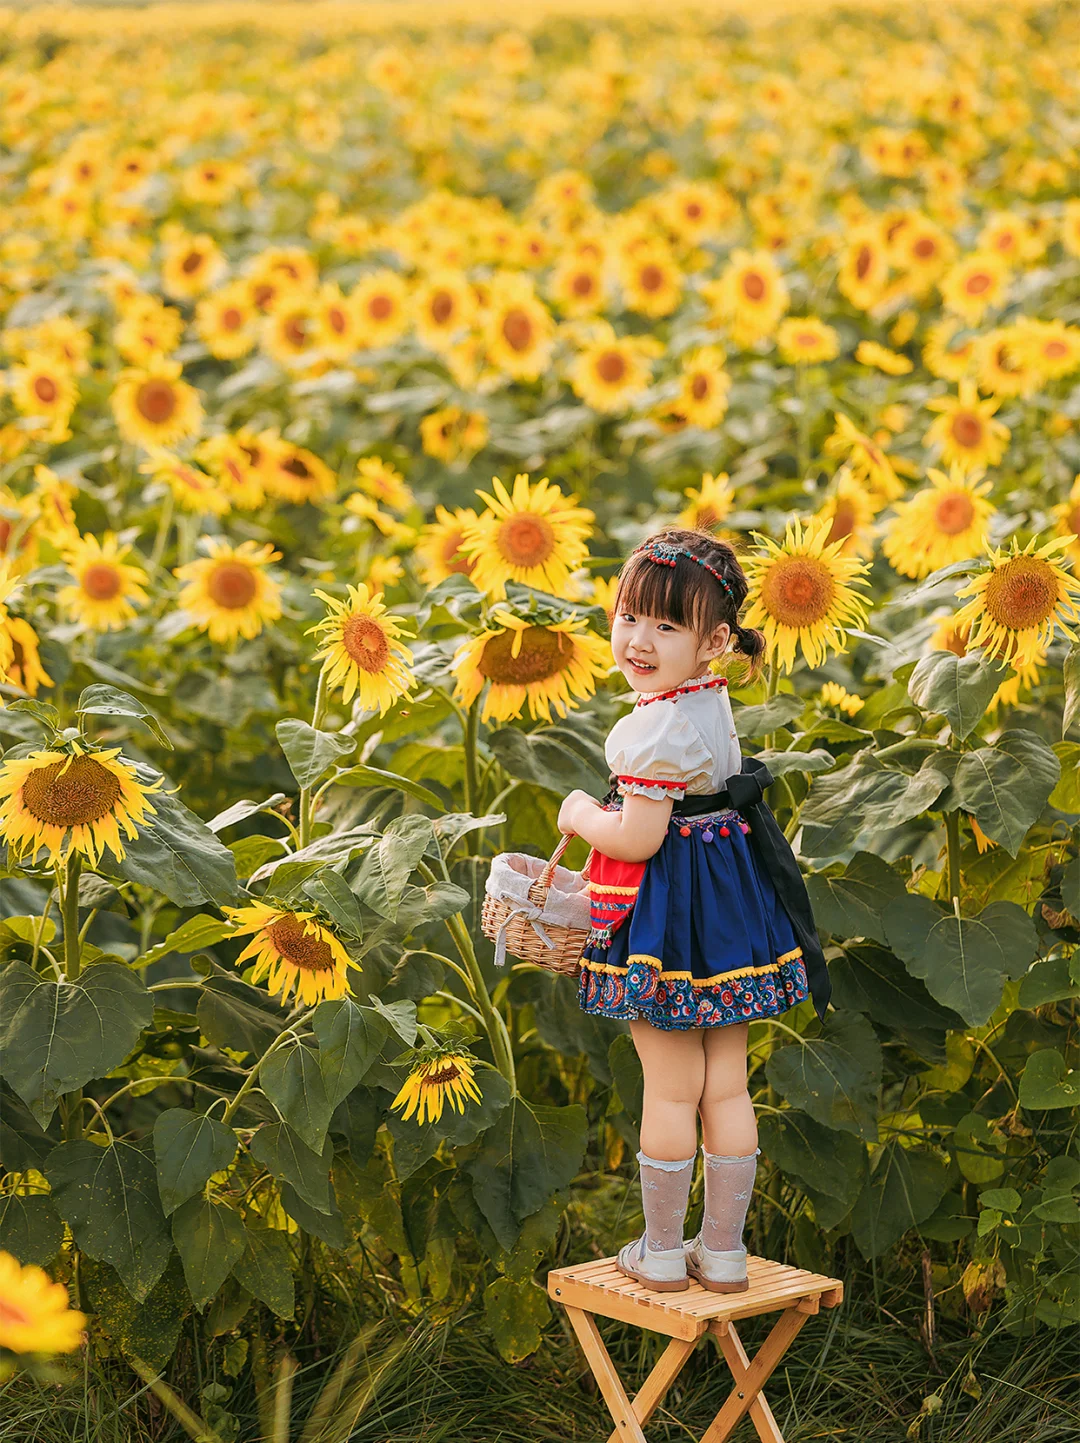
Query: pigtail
x=750 y=643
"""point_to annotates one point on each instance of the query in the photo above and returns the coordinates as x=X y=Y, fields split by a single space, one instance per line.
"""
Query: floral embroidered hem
x=673 y=1001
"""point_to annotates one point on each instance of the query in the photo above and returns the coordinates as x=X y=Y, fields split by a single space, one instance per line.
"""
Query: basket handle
x=542 y=886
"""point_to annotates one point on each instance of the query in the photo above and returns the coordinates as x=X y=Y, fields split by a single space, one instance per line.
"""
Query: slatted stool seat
x=597 y=1289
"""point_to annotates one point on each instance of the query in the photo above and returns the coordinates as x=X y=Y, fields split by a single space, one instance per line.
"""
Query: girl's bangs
x=679 y=593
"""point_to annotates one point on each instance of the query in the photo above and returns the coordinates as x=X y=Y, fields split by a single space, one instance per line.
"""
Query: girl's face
x=657 y=655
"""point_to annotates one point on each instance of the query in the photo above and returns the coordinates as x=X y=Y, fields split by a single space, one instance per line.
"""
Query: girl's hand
x=571 y=810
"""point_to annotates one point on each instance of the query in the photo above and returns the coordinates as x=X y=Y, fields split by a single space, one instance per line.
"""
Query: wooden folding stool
x=598 y=1289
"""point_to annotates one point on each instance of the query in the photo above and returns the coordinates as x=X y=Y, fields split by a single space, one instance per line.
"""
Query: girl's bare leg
x=674 y=1068
x=728 y=1124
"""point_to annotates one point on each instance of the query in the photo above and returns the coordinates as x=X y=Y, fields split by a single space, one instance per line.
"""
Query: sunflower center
x=380 y=308
x=650 y=278
x=924 y=248
x=526 y=539
x=12 y=1315
x=542 y=654
x=365 y=641
x=45 y=389
x=1022 y=593
x=517 y=330
x=296 y=331
x=83 y=793
x=954 y=513
x=582 y=284
x=798 y=591
x=807 y=339
x=843 y=521
x=441 y=1074
x=295 y=466
x=156 y=400
x=862 y=262
x=442 y=307
x=191 y=263
x=303 y=949
x=611 y=367
x=699 y=387
x=232 y=585
x=231 y=318
x=1054 y=350
x=336 y=316
x=101 y=582
x=264 y=294
x=967 y=429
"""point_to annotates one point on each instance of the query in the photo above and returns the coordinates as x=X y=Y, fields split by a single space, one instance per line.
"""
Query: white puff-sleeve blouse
x=671 y=746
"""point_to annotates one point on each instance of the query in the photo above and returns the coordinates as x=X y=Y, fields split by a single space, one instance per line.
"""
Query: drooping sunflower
x=439 y=547
x=834 y=695
x=610 y=374
x=385 y=522
x=534 y=535
x=944 y=522
x=865 y=459
x=870 y=353
x=849 y=509
x=942 y=356
x=1067 y=516
x=295 y=474
x=384 y=482
x=154 y=406
x=1020 y=600
x=445 y=1077
x=20 y=656
x=966 y=431
x=710 y=503
x=73 y=797
x=36 y=1315
x=802 y=593
x=229 y=592
x=192 y=489
x=361 y=650
x=802 y=340
x=294 y=952
x=106 y=587
x=544 y=666
x=225 y=320
x=451 y=434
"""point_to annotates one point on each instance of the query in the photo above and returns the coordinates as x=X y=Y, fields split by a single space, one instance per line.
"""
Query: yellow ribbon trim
x=596 y=888
x=687 y=976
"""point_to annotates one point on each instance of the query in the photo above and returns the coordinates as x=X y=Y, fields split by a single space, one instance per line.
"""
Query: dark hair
x=686 y=594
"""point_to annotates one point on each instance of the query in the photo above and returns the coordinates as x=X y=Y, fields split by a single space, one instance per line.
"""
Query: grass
x=859 y=1372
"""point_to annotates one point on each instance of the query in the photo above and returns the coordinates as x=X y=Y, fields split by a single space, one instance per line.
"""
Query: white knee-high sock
x=665 y=1191
x=729 y=1182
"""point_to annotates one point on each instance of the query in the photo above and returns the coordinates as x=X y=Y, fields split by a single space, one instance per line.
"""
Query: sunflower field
x=345 y=351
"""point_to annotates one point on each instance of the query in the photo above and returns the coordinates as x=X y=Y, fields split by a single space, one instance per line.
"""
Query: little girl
x=700 y=920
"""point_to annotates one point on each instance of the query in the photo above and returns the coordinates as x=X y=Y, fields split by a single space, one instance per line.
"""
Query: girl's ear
x=717 y=643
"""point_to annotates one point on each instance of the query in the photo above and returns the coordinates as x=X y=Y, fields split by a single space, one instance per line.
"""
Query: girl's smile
x=657 y=655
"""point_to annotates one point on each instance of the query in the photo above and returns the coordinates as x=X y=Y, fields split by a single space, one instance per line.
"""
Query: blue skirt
x=707 y=943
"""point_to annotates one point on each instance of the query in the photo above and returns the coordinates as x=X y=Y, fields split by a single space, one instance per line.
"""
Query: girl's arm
x=632 y=835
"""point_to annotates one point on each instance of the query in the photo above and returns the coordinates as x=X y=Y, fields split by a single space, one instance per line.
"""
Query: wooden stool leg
x=761 y=1415
x=750 y=1381
x=664 y=1372
x=599 y=1360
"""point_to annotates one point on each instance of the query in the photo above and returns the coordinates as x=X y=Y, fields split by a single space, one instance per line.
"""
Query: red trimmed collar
x=700 y=684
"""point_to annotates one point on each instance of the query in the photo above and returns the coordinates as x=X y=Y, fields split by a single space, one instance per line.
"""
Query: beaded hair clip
x=664 y=554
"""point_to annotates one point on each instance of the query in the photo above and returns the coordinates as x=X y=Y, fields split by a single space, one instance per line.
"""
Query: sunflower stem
x=802 y=458
x=471 y=737
x=952 y=842
x=281 y=1040
x=161 y=536
x=306 y=802
x=772 y=687
x=69 y=890
x=494 y=1025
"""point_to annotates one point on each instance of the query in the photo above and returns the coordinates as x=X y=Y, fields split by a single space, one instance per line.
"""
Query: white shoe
x=663 y=1271
x=720 y=1272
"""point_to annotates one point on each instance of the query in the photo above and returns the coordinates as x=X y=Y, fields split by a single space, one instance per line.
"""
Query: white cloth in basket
x=567 y=904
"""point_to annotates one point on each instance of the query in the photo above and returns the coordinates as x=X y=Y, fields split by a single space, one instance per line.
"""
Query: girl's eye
x=626 y=616
x=665 y=626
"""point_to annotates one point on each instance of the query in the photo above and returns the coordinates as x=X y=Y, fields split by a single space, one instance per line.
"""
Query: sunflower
x=384 y=482
x=703 y=388
x=1067 y=516
x=20 y=657
x=555 y=665
x=293 y=951
x=577 y=286
x=445 y=1077
x=1051 y=347
x=834 y=695
x=949 y=636
x=518 y=329
x=147 y=330
x=225 y=321
x=44 y=388
x=610 y=374
x=295 y=474
x=865 y=459
x=1019 y=601
x=802 y=340
x=192 y=489
x=361 y=651
x=942 y=357
x=864 y=267
x=153 y=406
x=534 y=535
x=439 y=546
x=652 y=283
x=289 y=332
x=229 y=592
x=966 y=430
x=604 y=591
x=191 y=265
x=227 y=460
x=384 y=572
x=945 y=522
x=849 y=509
x=870 y=353
x=442 y=306
x=105 y=585
x=335 y=324
x=1002 y=366
x=710 y=503
x=974 y=284
x=368 y=509
x=802 y=592
x=750 y=295
x=75 y=798
x=380 y=303
x=451 y=433
x=36 y=1315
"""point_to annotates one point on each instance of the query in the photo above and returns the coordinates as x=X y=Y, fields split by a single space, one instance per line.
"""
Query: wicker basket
x=531 y=937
